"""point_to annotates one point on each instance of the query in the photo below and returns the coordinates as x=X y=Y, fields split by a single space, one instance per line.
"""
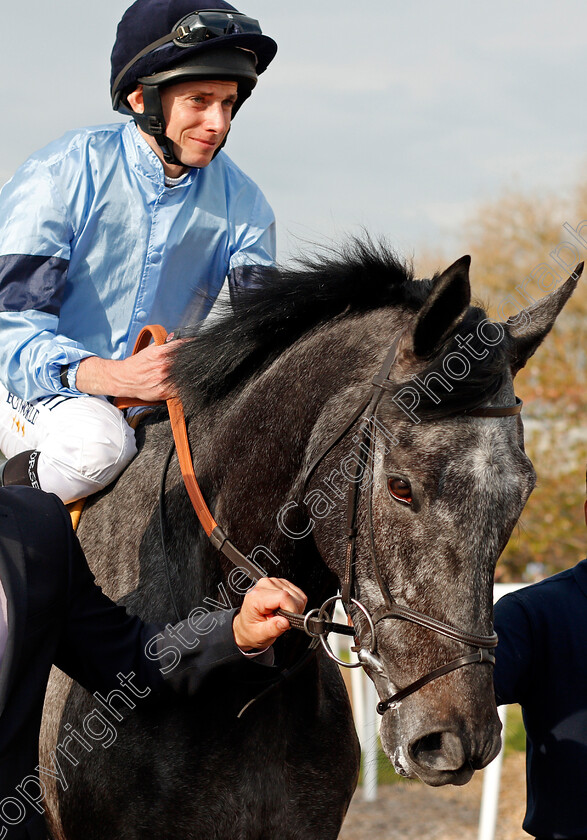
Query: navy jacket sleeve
x=190 y=650
x=514 y=657
x=100 y=640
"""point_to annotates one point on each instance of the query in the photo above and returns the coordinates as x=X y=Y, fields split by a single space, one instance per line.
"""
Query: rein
x=317 y=623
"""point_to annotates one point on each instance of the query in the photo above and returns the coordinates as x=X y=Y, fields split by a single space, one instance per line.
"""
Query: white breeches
x=84 y=442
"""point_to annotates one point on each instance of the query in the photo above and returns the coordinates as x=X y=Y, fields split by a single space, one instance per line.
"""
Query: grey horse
x=265 y=389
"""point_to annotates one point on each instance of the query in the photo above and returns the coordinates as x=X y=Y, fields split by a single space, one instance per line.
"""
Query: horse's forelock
x=471 y=368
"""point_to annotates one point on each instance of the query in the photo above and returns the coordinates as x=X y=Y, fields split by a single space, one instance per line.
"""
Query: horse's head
x=438 y=477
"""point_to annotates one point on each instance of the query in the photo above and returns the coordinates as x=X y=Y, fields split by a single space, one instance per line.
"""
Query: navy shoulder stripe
x=249 y=276
x=32 y=282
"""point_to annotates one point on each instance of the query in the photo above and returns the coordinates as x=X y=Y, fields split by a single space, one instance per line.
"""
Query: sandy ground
x=413 y=811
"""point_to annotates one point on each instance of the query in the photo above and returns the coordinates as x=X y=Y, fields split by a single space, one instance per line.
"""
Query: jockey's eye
x=400 y=490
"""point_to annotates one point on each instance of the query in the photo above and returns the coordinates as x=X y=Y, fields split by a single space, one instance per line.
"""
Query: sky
x=399 y=118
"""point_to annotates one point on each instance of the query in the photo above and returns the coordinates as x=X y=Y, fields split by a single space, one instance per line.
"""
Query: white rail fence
x=367 y=722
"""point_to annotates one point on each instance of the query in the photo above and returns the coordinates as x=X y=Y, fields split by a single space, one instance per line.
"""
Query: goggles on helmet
x=193 y=29
x=212 y=23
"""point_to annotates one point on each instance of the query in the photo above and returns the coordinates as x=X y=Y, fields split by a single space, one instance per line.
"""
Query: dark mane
x=262 y=322
x=287 y=303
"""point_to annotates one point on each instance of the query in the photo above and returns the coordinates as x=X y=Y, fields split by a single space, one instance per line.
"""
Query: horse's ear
x=531 y=326
x=444 y=309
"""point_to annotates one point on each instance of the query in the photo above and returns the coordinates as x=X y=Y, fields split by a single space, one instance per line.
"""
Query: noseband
x=390 y=609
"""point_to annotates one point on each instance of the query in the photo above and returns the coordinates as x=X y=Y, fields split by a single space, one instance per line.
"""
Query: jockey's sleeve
x=35 y=239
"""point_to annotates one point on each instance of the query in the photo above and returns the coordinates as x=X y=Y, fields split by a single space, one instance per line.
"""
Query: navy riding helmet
x=160 y=42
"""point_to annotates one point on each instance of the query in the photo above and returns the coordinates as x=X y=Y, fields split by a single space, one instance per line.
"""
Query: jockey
x=117 y=226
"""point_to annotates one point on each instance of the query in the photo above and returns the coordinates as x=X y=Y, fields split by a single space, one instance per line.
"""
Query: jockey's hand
x=142 y=376
x=256 y=626
x=147 y=371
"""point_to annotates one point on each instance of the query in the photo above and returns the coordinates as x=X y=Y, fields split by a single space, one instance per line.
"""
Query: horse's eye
x=400 y=490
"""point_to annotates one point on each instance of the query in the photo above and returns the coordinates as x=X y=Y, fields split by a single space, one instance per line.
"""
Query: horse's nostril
x=427 y=744
x=438 y=751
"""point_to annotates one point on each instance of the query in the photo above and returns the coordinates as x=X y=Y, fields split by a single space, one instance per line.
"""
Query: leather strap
x=156 y=333
x=497 y=410
x=381 y=381
x=395 y=610
x=482 y=655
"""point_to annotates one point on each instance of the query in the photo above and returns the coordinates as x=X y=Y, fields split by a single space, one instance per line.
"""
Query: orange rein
x=178 y=426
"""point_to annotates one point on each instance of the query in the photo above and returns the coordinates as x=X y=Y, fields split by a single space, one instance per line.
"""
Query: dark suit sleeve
x=100 y=640
x=204 y=645
x=514 y=656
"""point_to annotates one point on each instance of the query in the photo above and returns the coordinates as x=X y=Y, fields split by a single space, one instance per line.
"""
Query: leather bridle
x=318 y=623
x=390 y=609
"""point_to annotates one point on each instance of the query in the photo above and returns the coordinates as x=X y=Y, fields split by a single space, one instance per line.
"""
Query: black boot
x=21 y=469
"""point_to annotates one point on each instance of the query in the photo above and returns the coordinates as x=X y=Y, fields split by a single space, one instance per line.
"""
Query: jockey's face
x=197 y=114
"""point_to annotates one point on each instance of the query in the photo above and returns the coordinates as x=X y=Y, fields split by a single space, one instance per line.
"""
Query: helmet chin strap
x=153 y=122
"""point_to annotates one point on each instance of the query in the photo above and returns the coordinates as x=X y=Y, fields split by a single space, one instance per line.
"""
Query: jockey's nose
x=217 y=118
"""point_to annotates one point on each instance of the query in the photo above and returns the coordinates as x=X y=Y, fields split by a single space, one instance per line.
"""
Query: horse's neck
x=261 y=441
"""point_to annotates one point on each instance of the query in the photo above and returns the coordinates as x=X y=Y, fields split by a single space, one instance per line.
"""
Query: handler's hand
x=256 y=626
